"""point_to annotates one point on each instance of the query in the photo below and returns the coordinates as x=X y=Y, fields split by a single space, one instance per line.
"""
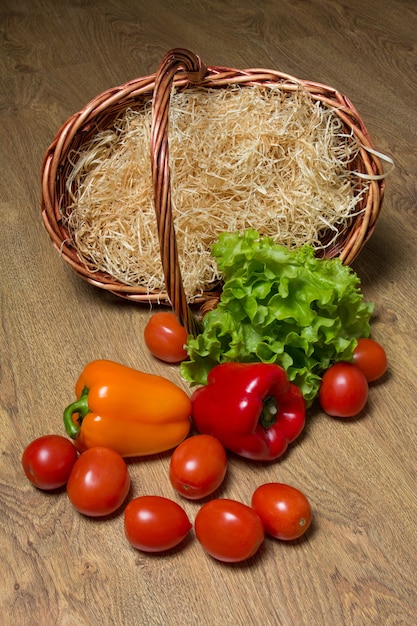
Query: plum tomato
x=99 y=482
x=228 y=530
x=155 y=523
x=344 y=390
x=284 y=510
x=198 y=466
x=165 y=337
x=48 y=461
x=371 y=358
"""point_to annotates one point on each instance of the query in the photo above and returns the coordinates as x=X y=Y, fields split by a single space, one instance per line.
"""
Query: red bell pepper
x=252 y=408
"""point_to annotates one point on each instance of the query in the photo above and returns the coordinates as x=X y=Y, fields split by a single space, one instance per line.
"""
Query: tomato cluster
x=345 y=386
x=98 y=481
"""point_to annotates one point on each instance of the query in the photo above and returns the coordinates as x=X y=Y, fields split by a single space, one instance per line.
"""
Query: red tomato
x=155 y=524
x=99 y=482
x=198 y=466
x=344 y=390
x=165 y=337
x=371 y=358
x=48 y=461
x=285 y=511
x=229 y=530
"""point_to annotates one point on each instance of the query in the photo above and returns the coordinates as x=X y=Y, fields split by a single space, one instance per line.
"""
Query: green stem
x=269 y=412
x=81 y=407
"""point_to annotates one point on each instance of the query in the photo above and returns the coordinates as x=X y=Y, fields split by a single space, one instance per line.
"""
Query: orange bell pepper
x=132 y=412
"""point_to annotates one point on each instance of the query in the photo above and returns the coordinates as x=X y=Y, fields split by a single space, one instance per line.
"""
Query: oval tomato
x=155 y=524
x=165 y=337
x=99 y=482
x=48 y=461
x=343 y=391
x=284 y=510
x=371 y=358
x=198 y=466
x=228 y=530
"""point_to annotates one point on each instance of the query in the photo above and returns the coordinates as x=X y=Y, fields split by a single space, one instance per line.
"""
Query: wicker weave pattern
x=182 y=68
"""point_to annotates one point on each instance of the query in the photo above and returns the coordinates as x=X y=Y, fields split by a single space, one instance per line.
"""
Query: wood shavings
x=252 y=157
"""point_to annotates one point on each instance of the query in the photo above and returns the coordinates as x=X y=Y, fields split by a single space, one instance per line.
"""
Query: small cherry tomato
x=99 y=482
x=284 y=510
x=229 y=530
x=371 y=358
x=155 y=524
x=198 y=466
x=48 y=461
x=165 y=337
x=343 y=391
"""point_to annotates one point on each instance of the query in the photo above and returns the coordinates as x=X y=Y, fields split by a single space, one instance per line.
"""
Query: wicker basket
x=182 y=68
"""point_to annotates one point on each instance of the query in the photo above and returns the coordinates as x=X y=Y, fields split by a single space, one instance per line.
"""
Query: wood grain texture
x=357 y=565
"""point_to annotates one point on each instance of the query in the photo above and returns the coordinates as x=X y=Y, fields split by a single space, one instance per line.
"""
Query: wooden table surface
x=357 y=564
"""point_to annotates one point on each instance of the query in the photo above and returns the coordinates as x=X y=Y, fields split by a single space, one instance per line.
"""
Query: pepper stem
x=269 y=412
x=81 y=407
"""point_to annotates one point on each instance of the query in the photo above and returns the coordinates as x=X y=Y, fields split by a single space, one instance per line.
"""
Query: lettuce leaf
x=279 y=306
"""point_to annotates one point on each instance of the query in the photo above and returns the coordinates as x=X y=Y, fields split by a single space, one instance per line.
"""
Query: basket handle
x=195 y=71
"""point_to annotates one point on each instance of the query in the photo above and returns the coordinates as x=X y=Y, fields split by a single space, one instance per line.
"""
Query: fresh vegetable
x=343 y=391
x=284 y=510
x=371 y=358
x=133 y=413
x=99 y=482
x=229 y=530
x=198 y=466
x=155 y=524
x=251 y=408
x=165 y=338
x=279 y=306
x=48 y=461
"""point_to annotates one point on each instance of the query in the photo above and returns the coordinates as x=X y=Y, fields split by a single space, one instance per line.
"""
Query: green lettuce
x=279 y=306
